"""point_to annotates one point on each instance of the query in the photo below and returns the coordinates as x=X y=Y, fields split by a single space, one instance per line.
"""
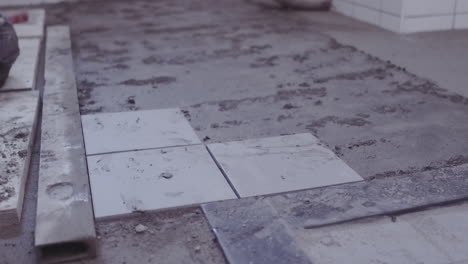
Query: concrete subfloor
x=242 y=72
x=439 y=56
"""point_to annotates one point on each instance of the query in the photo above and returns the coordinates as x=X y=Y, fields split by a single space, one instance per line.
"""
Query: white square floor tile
x=127 y=131
x=154 y=179
x=23 y=73
x=34 y=27
x=280 y=164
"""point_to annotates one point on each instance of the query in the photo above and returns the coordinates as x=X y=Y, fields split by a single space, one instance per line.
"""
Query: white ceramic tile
x=432 y=23
x=428 y=7
x=124 y=131
x=461 y=21
x=343 y=7
x=392 y=6
x=462 y=6
x=370 y=241
x=390 y=22
x=280 y=164
x=23 y=73
x=444 y=227
x=373 y=4
x=367 y=15
x=34 y=27
x=131 y=181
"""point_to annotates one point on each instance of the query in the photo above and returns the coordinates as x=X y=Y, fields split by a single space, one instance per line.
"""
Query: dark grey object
x=251 y=232
x=9 y=49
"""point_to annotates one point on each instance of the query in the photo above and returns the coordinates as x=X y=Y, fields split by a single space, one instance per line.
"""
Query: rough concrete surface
x=439 y=56
x=240 y=71
x=18 y=119
x=243 y=72
x=172 y=237
x=17 y=242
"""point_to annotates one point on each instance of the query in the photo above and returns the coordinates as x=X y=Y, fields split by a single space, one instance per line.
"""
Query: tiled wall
x=407 y=16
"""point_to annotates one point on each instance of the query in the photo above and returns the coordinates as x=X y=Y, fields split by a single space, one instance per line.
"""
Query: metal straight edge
x=65 y=222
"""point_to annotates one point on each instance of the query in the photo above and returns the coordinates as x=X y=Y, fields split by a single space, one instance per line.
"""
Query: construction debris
x=140 y=228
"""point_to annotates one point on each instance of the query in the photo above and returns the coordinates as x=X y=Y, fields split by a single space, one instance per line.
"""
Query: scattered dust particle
x=166 y=175
x=21 y=135
x=131 y=100
x=22 y=153
x=140 y=228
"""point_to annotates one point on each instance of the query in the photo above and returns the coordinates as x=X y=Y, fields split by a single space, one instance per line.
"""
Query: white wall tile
x=392 y=6
x=367 y=15
x=390 y=22
x=343 y=7
x=373 y=4
x=462 y=6
x=461 y=21
x=430 y=23
x=428 y=7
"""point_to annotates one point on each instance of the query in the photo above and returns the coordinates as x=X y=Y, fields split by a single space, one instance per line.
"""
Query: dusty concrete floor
x=17 y=243
x=439 y=56
x=242 y=72
x=173 y=237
